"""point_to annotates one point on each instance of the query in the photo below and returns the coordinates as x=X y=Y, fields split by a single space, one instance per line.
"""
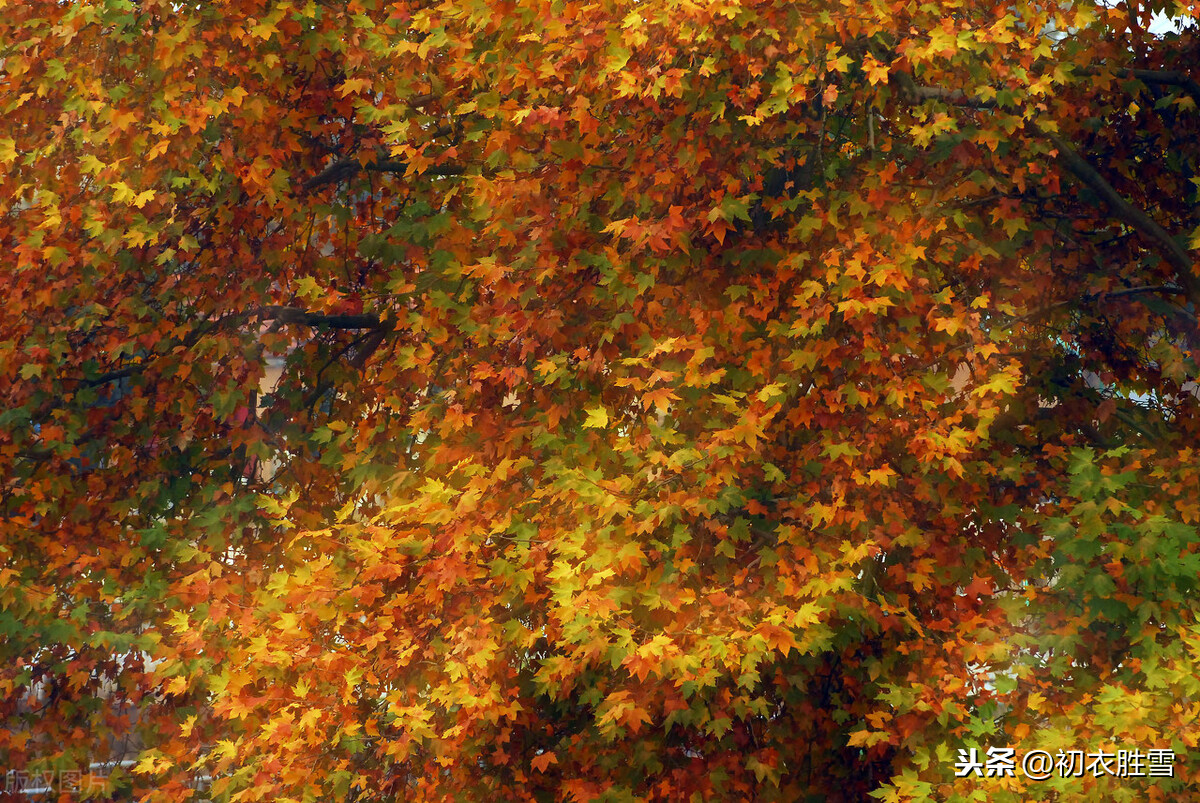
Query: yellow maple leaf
x=877 y=73
x=597 y=418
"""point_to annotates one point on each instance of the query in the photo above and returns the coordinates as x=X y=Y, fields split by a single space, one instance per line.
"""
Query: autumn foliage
x=633 y=400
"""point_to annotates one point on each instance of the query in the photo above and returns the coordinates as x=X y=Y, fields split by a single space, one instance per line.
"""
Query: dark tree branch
x=346 y=168
x=111 y=376
x=1169 y=289
x=1165 y=289
x=1124 y=211
x=1163 y=78
x=297 y=315
x=1135 y=218
x=279 y=314
x=955 y=97
x=959 y=98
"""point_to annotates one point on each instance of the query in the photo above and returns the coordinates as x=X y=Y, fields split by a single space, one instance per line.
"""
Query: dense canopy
x=629 y=400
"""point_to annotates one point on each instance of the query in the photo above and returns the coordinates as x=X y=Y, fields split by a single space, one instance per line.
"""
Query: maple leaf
x=597 y=418
x=876 y=73
x=978 y=587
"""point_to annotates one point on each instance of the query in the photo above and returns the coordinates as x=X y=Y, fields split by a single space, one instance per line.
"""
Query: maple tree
x=649 y=400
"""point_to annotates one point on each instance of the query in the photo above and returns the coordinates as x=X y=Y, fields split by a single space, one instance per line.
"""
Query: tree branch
x=1162 y=78
x=1135 y=218
x=954 y=97
x=297 y=315
x=111 y=376
x=346 y=168
x=1166 y=289
x=959 y=98
x=279 y=314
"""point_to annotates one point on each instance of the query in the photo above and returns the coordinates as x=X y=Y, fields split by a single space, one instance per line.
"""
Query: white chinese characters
x=1001 y=762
